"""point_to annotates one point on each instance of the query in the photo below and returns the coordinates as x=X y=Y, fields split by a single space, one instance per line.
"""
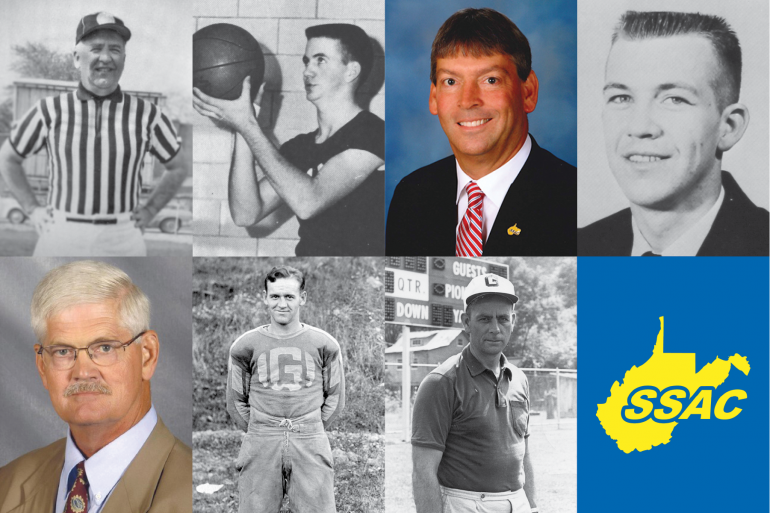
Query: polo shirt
x=96 y=147
x=478 y=421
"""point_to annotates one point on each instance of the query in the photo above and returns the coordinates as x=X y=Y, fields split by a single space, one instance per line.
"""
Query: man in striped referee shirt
x=96 y=137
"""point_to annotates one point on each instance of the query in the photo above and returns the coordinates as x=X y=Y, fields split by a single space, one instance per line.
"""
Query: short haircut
x=285 y=271
x=354 y=43
x=85 y=282
x=478 y=32
x=648 y=25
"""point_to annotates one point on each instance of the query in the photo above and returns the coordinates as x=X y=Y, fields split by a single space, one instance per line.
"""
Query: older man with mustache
x=96 y=357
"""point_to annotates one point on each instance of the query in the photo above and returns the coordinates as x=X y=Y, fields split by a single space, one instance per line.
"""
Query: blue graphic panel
x=714 y=307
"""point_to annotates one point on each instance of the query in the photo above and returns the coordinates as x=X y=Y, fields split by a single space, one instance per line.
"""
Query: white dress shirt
x=495 y=186
x=105 y=468
x=686 y=244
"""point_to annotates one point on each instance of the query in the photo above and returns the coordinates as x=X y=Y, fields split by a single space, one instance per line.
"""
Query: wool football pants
x=290 y=452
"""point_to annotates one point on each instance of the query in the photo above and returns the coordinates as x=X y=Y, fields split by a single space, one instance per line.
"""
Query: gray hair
x=83 y=282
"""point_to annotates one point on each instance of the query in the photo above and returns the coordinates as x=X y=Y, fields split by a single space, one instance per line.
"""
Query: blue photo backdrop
x=414 y=137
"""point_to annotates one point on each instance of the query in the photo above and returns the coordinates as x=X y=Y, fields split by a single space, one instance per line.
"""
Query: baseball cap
x=101 y=21
x=488 y=284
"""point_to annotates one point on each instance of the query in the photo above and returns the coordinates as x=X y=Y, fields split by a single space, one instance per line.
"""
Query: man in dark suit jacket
x=671 y=93
x=740 y=229
x=482 y=89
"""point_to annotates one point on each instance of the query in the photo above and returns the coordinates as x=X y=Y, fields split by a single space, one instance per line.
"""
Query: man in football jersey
x=285 y=386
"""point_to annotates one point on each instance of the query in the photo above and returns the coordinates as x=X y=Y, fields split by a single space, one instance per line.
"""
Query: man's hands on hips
x=142 y=217
x=41 y=219
x=236 y=114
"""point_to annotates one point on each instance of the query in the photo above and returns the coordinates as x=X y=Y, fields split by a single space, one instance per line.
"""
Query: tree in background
x=545 y=335
x=36 y=60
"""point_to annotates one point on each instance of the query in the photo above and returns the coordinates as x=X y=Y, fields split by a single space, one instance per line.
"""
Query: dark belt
x=92 y=221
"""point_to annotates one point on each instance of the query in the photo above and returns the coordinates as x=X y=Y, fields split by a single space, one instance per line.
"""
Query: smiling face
x=482 y=105
x=100 y=59
x=127 y=381
x=662 y=123
x=325 y=72
x=489 y=322
x=284 y=299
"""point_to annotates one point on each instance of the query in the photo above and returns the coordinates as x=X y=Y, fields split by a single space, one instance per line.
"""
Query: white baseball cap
x=488 y=284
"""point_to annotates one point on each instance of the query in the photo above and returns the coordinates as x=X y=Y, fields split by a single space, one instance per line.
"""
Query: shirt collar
x=107 y=466
x=476 y=367
x=84 y=94
x=495 y=185
x=686 y=244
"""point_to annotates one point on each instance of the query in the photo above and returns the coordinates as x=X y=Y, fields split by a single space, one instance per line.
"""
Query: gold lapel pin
x=514 y=230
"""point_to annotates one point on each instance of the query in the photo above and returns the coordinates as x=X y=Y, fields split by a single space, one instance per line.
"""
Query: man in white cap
x=470 y=425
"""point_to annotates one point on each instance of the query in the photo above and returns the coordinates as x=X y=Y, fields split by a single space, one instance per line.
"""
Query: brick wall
x=279 y=26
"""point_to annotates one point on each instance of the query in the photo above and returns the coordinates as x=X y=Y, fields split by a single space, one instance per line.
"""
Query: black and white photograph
x=95 y=383
x=290 y=136
x=678 y=94
x=483 y=418
x=95 y=134
x=288 y=385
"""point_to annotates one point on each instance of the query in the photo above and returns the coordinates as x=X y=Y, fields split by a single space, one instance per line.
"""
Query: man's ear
x=735 y=119
x=529 y=90
x=432 y=104
x=150 y=347
x=466 y=323
x=302 y=297
x=40 y=366
x=353 y=71
x=76 y=58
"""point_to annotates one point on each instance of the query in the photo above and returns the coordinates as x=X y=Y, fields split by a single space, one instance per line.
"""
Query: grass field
x=554 y=459
x=345 y=297
x=358 y=485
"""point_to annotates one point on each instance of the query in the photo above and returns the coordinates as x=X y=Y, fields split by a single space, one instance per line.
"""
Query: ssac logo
x=643 y=411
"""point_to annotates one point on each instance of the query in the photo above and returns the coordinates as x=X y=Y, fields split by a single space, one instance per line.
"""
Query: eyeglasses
x=103 y=353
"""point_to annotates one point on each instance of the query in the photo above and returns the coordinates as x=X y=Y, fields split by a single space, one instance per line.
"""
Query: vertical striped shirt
x=96 y=147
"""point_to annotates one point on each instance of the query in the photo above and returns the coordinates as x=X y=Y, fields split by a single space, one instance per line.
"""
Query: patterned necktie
x=77 y=499
x=649 y=253
x=469 y=236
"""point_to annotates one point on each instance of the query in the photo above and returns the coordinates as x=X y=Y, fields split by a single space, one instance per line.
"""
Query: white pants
x=61 y=237
x=461 y=501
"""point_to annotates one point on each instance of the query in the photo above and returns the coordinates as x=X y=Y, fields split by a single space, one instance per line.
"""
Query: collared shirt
x=478 y=420
x=686 y=244
x=495 y=186
x=105 y=468
x=96 y=148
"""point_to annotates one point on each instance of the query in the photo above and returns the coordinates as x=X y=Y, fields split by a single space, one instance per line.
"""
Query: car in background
x=171 y=218
x=11 y=210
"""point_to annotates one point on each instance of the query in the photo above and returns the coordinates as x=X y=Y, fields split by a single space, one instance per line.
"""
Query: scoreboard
x=428 y=291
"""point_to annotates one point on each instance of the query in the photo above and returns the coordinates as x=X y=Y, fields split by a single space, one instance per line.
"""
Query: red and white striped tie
x=470 y=241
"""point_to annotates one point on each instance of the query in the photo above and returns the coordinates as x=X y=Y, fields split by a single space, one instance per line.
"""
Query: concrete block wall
x=279 y=26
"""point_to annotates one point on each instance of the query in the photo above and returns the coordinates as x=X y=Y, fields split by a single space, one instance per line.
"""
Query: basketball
x=224 y=55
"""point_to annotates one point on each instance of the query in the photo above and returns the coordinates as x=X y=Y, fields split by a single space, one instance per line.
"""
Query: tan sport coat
x=159 y=479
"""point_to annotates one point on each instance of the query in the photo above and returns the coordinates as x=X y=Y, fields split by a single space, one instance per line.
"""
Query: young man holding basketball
x=285 y=385
x=328 y=177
